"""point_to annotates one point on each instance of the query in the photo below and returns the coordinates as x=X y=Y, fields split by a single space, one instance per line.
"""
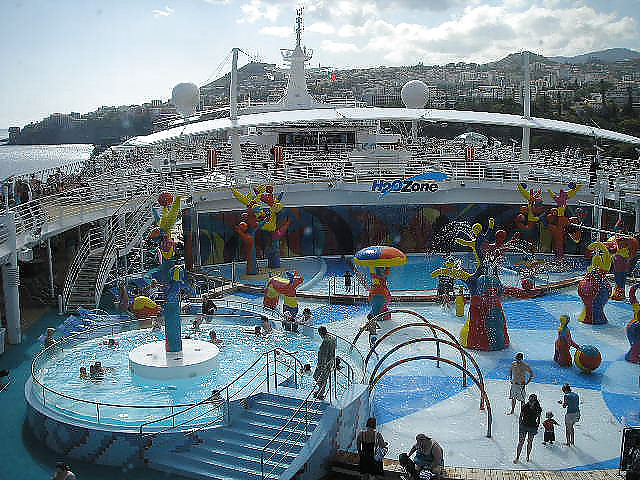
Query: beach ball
x=587 y=358
x=165 y=199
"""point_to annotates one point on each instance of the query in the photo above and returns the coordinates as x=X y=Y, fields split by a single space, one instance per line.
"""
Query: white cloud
x=217 y=2
x=275 y=31
x=163 y=13
x=338 y=47
x=258 y=9
x=321 y=27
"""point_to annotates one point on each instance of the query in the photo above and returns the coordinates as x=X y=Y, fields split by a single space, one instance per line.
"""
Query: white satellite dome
x=414 y=94
x=185 y=96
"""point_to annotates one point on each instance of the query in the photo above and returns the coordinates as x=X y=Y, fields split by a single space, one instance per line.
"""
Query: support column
x=11 y=283
x=526 y=131
x=233 y=116
x=637 y=225
x=52 y=287
x=597 y=212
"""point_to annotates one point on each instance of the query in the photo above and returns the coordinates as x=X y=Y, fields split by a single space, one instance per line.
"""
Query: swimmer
x=110 y=343
x=213 y=338
x=307 y=319
x=83 y=373
x=257 y=330
x=266 y=326
x=49 y=340
x=306 y=369
x=195 y=325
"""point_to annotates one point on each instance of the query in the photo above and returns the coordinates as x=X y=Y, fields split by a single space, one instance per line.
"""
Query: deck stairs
x=101 y=247
x=234 y=451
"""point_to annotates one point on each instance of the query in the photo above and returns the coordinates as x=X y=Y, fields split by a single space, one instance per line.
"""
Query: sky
x=77 y=55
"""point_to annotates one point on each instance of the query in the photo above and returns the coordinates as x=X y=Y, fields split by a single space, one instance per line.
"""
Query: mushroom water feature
x=380 y=259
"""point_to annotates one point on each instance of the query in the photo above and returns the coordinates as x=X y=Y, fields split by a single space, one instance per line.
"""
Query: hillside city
x=600 y=88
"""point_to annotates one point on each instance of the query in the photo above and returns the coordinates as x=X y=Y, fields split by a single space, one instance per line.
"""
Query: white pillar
x=11 y=282
x=597 y=212
x=233 y=115
x=52 y=288
x=637 y=226
x=526 y=131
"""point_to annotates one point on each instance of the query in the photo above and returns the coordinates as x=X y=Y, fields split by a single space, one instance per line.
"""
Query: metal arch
x=483 y=393
x=426 y=323
x=437 y=340
x=410 y=312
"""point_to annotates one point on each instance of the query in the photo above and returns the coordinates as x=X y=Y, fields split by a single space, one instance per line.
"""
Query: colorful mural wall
x=343 y=230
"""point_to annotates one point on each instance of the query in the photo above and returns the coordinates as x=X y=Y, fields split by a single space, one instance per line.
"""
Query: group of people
x=96 y=372
x=372 y=449
x=531 y=410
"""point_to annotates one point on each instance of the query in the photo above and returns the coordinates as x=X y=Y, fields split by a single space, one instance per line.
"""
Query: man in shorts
x=571 y=402
x=520 y=375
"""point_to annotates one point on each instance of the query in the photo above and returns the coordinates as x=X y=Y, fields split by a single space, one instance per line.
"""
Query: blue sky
x=62 y=56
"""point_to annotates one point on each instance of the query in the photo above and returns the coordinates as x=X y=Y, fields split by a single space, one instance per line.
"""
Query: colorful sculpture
x=594 y=289
x=534 y=202
x=143 y=307
x=587 y=358
x=264 y=218
x=167 y=274
x=633 y=328
x=460 y=301
x=284 y=287
x=486 y=325
x=624 y=251
x=379 y=259
x=562 y=355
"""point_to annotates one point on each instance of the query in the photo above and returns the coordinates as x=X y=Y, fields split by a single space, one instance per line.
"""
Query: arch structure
x=389 y=313
x=373 y=381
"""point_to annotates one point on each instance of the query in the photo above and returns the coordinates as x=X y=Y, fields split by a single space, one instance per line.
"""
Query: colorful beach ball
x=587 y=358
x=165 y=199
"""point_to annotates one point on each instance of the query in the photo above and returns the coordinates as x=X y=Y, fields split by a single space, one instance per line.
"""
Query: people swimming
x=83 y=373
x=213 y=338
x=111 y=343
x=306 y=369
x=267 y=328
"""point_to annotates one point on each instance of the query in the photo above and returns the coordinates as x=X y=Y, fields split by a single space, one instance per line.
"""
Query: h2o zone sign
x=403 y=186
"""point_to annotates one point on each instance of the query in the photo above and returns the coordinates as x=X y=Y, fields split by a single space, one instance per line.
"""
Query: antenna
x=299 y=26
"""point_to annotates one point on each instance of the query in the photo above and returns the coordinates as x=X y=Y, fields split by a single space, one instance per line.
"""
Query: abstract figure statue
x=264 y=218
x=486 y=325
x=633 y=328
x=284 y=287
x=594 y=289
x=379 y=259
x=168 y=274
x=534 y=202
x=562 y=355
x=624 y=251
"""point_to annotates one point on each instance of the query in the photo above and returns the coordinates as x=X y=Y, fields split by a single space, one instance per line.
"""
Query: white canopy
x=473 y=139
x=406 y=114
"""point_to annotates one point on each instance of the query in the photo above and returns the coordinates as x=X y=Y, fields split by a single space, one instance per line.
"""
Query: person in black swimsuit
x=369 y=441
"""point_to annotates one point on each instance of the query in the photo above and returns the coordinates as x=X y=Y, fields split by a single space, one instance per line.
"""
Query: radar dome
x=185 y=96
x=414 y=94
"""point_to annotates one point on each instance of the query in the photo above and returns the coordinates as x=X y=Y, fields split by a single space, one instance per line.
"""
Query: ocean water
x=20 y=159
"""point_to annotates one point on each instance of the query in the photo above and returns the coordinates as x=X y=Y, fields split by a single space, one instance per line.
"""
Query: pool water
x=238 y=350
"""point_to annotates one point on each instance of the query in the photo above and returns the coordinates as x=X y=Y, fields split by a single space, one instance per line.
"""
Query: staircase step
x=228 y=459
x=242 y=449
x=267 y=406
x=206 y=470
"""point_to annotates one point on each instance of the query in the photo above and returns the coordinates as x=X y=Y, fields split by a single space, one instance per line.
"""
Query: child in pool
x=83 y=373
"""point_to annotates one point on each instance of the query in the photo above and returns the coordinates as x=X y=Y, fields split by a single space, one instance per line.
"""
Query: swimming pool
x=128 y=400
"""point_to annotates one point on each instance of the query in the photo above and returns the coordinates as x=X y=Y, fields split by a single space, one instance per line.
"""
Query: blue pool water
x=238 y=350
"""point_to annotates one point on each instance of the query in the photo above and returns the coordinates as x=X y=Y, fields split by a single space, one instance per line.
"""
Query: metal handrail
x=304 y=403
x=115 y=233
x=226 y=388
x=92 y=241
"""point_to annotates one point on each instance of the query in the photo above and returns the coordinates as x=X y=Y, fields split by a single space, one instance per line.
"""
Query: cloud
x=276 y=31
x=321 y=27
x=217 y=2
x=163 y=13
x=258 y=9
x=484 y=32
x=338 y=47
